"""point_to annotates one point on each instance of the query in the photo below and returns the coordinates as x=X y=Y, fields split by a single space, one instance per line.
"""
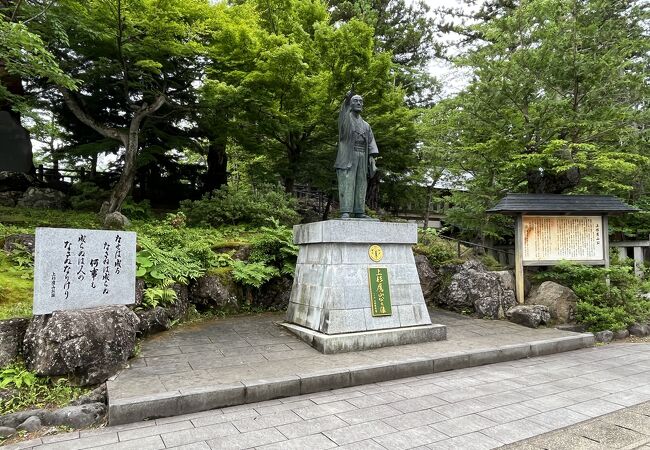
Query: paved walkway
x=474 y=408
x=251 y=359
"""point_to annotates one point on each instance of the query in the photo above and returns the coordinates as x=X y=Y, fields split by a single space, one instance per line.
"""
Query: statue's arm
x=372 y=144
x=345 y=111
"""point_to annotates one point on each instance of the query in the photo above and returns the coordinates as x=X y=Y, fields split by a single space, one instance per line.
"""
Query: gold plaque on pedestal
x=376 y=253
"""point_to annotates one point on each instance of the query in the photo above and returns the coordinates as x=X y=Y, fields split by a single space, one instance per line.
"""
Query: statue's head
x=356 y=103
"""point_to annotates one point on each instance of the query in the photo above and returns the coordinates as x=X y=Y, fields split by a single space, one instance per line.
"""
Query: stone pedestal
x=330 y=305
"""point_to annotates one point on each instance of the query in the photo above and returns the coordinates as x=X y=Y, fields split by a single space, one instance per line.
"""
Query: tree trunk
x=328 y=206
x=124 y=184
x=217 y=175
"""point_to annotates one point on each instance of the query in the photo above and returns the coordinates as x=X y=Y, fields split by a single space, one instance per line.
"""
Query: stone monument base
x=366 y=340
x=356 y=287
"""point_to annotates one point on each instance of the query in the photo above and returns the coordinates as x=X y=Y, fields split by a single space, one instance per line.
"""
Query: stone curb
x=185 y=401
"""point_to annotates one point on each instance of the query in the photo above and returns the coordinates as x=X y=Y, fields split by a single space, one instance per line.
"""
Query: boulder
x=6 y=432
x=97 y=395
x=560 y=300
x=474 y=288
x=15 y=181
x=428 y=277
x=10 y=198
x=77 y=416
x=274 y=294
x=621 y=334
x=30 y=424
x=46 y=198
x=604 y=336
x=12 y=332
x=152 y=321
x=530 y=316
x=87 y=345
x=116 y=221
x=12 y=420
x=214 y=291
x=507 y=279
x=26 y=240
x=179 y=308
x=639 y=330
x=139 y=291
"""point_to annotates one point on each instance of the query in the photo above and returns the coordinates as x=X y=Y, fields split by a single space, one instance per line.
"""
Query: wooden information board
x=549 y=239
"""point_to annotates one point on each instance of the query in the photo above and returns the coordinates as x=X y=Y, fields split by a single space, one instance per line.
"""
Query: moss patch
x=16 y=290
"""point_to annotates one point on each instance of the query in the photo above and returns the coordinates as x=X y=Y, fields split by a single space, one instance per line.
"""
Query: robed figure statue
x=354 y=160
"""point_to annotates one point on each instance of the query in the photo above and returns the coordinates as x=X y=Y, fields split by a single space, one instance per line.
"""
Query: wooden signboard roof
x=513 y=204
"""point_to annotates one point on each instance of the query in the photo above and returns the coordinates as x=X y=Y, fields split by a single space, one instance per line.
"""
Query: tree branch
x=90 y=122
x=146 y=110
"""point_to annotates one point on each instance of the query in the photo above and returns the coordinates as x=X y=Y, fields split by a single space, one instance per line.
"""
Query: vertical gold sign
x=379 y=291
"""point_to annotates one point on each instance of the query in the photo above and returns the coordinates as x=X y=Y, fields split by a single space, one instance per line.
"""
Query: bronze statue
x=354 y=160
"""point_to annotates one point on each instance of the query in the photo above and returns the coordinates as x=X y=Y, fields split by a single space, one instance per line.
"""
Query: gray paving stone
x=313 y=442
x=558 y=418
x=508 y=413
x=213 y=419
x=548 y=403
x=359 y=432
x=59 y=437
x=470 y=441
x=251 y=439
x=194 y=446
x=368 y=414
x=199 y=434
x=311 y=426
x=410 y=438
x=86 y=442
x=325 y=409
x=565 y=440
x=463 y=425
x=608 y=435
x=414 y=419
x=464 y=408
x=267 y=421
x=145 y=443
x=595 y=408
x=367 y=444
x=518 y=430
x=381 y=398
x=418 y=403
x=137 y=433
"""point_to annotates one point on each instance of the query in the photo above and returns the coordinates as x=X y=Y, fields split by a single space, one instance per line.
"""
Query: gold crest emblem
x=376 y=253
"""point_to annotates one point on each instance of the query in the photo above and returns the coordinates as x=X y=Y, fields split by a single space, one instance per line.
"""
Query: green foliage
x=156 y=265
x=274 y=246
x=241 y=205
x=87 y=196
x=600 y=306
x=140 y=210
x=438 y=251
x=16 y=289
x=27 y=391
x=159 y=294
x=253 y=274
x=22 y=259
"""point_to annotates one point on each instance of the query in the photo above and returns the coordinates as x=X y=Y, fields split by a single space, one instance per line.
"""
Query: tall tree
x=557 y=102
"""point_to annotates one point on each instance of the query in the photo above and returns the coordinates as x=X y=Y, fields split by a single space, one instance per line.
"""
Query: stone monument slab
x=355 y=277
x=76 y=269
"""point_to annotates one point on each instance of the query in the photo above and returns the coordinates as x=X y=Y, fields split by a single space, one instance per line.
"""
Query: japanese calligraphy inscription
x=555 y=238
x=379 y=291
x=77 y=269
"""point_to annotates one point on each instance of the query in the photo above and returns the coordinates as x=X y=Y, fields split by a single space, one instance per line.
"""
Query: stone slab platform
x=365 y=340
x=250 y=359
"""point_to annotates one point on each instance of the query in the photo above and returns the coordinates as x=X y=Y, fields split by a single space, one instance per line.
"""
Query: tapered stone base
x=331 y=293
x=366 y=340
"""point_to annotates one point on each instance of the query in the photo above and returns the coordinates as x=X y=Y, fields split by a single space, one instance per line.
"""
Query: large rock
x=12 y=332
x=179 y=308
x=15 y=181
x=274 y=294
x=560 y=300
x=428 y=277
x=26 y=240
x=529 y=315
x=473 y=288
x=639 y=329
x=116 y=221
x=214 y=291
x=81 y=416
x=87 y=346
x=45 y=198
x=10 y=198
x=16 y=149
x=152 y=321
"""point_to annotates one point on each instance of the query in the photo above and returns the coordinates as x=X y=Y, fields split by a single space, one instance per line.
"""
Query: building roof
x=513 y=204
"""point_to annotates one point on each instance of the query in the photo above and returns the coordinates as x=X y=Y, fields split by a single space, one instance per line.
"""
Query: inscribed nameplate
x=555 y=238
x=379 y=291
x=75 y=269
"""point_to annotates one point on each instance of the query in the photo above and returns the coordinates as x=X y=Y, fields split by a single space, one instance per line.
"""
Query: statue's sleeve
x=372 y=145
x=344 y=118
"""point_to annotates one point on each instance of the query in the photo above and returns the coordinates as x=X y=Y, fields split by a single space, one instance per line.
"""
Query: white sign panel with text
x=555 y=238
x=77 y=269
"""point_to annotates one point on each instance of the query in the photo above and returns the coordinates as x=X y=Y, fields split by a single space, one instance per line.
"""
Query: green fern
x=252 y=274
x=160 y=294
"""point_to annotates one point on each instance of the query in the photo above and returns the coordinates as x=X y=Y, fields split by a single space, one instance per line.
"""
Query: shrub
x=601 y=306
x=437 y=250
x=87 y=196
x=237 y=205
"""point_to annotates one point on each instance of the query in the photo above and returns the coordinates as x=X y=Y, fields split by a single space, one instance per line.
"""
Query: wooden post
x=519 y=258
x=606 y=245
